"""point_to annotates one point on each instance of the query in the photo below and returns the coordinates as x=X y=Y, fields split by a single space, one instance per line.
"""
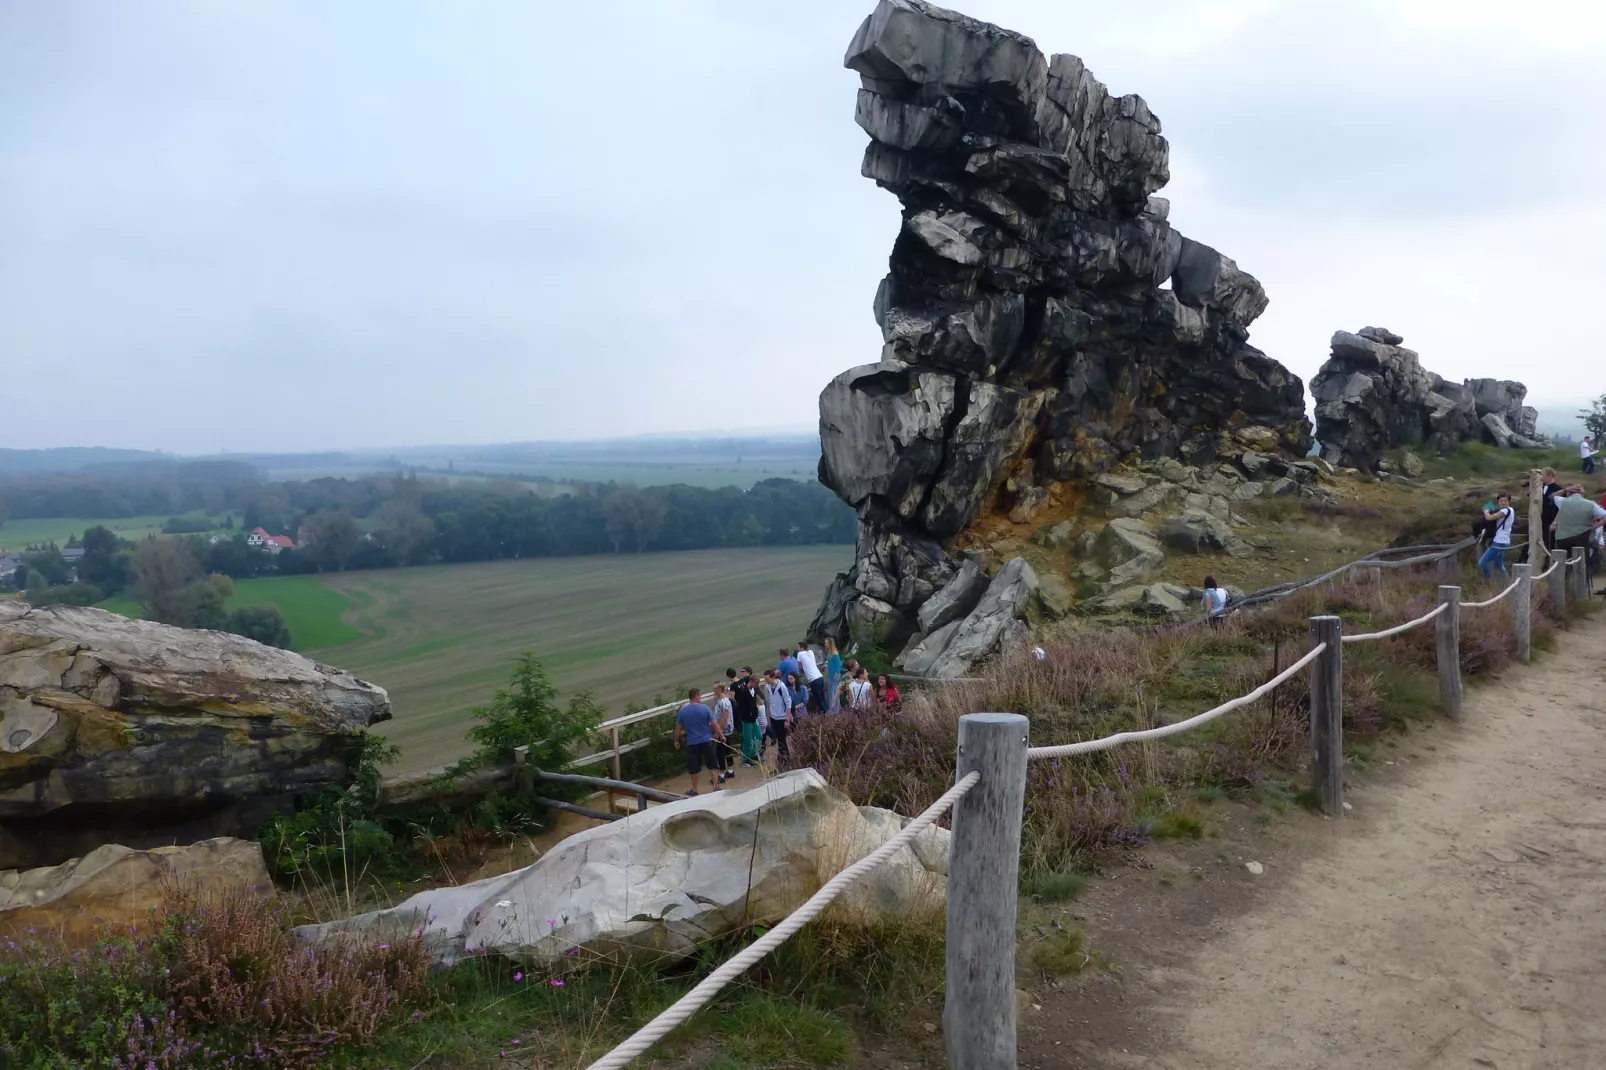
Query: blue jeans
x=1496 y=556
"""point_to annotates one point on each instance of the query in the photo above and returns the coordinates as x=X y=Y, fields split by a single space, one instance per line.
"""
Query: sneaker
x=692 y=792
x=748 y=764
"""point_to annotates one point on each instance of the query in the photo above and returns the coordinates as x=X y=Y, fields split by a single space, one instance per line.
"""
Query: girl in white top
x=1215 y=602
x=859 y=691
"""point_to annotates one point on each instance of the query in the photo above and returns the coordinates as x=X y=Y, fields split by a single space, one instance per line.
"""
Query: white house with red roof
x=271 y=543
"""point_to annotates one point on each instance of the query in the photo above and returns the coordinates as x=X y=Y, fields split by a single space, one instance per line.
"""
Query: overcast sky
x=301 y=225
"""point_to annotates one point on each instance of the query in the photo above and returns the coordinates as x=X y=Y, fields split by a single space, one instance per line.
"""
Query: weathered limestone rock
x=1008 y=596
x=659 y=883
x=1372 y=396
x=1057 y=536
x=117 y=889
x=1129 y=551
x=1155 y=599
x=125 y=731
x=956 y=598
x=1030 y=338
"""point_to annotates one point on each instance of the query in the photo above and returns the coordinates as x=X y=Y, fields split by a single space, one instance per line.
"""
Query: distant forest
x=404 y=519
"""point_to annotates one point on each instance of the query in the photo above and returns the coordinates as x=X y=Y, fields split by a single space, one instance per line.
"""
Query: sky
x=226 y=224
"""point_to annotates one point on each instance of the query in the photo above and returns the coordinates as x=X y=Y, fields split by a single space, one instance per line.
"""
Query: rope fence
x=988 y=799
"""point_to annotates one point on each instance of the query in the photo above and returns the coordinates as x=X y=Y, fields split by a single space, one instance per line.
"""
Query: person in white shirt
x=724 y=714
x=813 y=678
x=860 y=693
x=1586 y=454
x=1215 y=602
x=1502 y=517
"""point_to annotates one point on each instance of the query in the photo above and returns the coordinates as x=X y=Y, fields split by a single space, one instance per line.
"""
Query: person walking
x=724 y=713
x=1586 y=455
x=744 y=697
x=833 y=677
x=697 y=726
x=812 y=679
x=1215 y=602
x=1501 y=519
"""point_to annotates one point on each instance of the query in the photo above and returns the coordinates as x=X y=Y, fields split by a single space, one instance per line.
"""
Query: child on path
x=724 y=713
x=696 y=724
x=1500 y=519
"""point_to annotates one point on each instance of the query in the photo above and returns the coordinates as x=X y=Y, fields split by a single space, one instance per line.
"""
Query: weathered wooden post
x=1558 y=584
x=1327 y=714
x=1447 y=634
x=983 y=884
x=1522 y=610
x=613 y=735
x=523 y=774
x=1536 y=528
x=1578 y=575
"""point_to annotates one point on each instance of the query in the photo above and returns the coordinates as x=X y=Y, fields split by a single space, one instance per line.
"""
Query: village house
x=271 y=543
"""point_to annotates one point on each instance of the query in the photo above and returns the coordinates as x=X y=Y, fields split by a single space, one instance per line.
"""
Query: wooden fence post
x=1522 y=610
x=1447 y=634
x=1327 y=714
x=983 y=885
x=614 y=764
x=1558 y=585
x=1536 y=529
x=1578 y=575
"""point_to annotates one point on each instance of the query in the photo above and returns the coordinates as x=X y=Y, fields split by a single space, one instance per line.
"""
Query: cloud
x=359 y=224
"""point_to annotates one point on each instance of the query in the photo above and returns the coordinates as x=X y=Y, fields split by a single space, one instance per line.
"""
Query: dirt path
x=1455 y=919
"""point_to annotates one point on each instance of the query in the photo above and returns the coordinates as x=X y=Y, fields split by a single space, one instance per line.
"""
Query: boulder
x=1057 y=536
x=956 y=598
x=1054 y=597
x=1155 y=599
x=1008 y=595
x=127 y=731
x=1373 y=396
x=662 y=882
x=1042 y=324
x=923 y=651
x=1411 y=464
x=1129 y=551
x=116 y=889
x=1199 y=533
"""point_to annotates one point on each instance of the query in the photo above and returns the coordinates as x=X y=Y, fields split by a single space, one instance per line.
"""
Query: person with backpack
x=1500 y=519
x=744 y=699
x=778 y=705
x=1215 y=602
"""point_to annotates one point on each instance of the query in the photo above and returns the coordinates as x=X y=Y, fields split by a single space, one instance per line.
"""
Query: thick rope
x=1553 y=566
x=709 y=987
x=1512 y=586
x=1364 y=637
x=1065 y=750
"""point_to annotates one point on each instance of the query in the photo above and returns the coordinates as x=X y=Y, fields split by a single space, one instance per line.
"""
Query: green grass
x=629 y=627
x=1055 y=886
x=313 y=611
x=1477 y=460
x=15 y=534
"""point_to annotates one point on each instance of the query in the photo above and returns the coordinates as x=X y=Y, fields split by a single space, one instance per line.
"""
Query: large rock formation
x=1042 y=321
x=1373 y=395
x=665 y=880
x=115 y=889
x=126 y=731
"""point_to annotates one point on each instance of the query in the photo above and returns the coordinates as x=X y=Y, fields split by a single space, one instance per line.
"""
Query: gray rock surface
x=1128 y=552
x=956 y=598
x=1042 y=323
x=127 y=731
x=1372 y=396
x=660 y=883
x=1202 y=533
x=1008 y=596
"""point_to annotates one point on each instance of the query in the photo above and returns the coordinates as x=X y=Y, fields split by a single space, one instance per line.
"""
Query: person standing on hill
x=800 y=699
x=1215 y=602
x=724 y=713
x=833 y=676
x=1547 y=507
x=1576 y=520
x=812 y=678
x=696 y=724
x=744 y=698
x=1500 y=519
x=887 y=694
x=787 y=664
x=860 y=695
x=1586 y=454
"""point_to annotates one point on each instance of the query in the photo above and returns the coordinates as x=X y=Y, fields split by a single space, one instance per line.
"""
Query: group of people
x=750 y=712
x=1570 y=520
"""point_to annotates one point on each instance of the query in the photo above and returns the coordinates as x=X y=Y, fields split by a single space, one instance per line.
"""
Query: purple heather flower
x=518 y=975
x=556 y=982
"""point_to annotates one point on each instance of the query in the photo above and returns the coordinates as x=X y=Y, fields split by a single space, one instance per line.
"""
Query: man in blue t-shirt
x=788 y=664
x=699 y=727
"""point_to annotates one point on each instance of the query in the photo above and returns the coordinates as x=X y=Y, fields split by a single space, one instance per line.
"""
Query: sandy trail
x=1457 y=918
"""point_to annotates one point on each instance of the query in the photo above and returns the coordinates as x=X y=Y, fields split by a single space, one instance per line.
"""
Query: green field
x=16 y=534
x=626 y=627
x=312 y=611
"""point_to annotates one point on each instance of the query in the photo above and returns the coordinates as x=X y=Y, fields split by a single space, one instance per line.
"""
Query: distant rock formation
x=131 y=732
x=1031 y=339
x=1372 y=396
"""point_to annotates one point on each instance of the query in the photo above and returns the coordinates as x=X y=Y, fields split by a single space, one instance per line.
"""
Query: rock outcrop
x=660 y=882
x=126 y=731
x=1373 y=395
x=1042 y=322
x=115 y=889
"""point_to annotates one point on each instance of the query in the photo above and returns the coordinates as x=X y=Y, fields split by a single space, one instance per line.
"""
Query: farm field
x=312 y=611
x=16 y=534
x=626 y=627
